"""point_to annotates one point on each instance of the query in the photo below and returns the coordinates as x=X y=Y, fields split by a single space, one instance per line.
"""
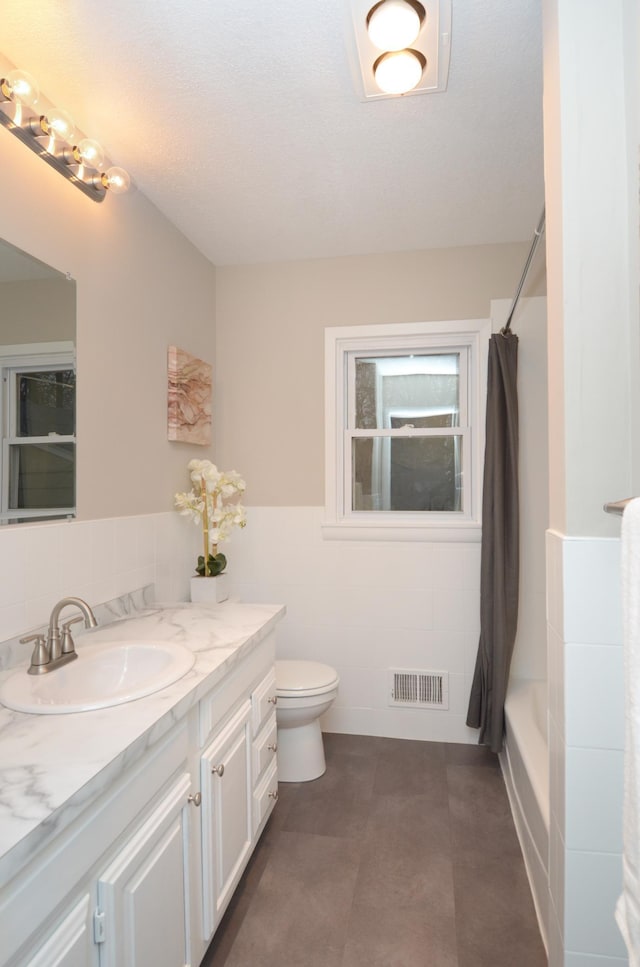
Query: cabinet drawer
x=264 y=747
x=263 y=700
x=265 y=796
x=234 y=688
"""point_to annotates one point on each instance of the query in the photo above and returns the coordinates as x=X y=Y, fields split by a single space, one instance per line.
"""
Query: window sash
x=343 y=346
x=353 y=356
x=463 y=433
x=24 y=359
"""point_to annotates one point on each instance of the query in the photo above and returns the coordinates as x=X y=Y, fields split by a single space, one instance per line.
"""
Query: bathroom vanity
x=124 y=831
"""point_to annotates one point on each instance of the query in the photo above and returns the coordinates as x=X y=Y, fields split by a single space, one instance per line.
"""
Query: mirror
x=38 y=402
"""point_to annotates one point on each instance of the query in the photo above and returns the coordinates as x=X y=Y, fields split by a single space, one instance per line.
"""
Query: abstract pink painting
x=189 y=399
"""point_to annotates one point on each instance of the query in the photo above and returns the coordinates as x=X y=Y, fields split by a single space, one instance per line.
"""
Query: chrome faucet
x=58 y=651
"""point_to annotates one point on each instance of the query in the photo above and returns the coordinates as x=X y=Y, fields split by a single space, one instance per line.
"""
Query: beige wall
x=269 y=379
x=140 y=287
x=38 y=310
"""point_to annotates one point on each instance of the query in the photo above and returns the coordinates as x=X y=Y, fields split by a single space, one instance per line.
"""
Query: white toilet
x=305 y=690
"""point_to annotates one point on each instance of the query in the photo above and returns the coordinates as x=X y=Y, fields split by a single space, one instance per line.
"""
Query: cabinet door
x=143 y=915
x=226 y=814
x=69 y=943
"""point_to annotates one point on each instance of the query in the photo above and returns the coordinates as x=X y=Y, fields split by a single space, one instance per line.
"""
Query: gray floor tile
x=410 y=823
x=481 y=821
x=399 y=937
x=470 y=755
x=411 y=774
x=419 y=879
x=403 y=854
x=495 y=919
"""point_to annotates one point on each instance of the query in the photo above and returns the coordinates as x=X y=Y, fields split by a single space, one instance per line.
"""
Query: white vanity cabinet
x=227 y=834
x=142 y=915
x=237 y=723
x=70 y=944
x=98 y=894
x=145 y=865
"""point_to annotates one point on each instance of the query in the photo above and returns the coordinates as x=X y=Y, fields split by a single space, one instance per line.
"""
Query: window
x=404 y=430
x=38 y=438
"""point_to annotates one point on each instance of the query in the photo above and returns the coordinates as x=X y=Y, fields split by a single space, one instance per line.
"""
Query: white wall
x=591 y=174
x=367 y=607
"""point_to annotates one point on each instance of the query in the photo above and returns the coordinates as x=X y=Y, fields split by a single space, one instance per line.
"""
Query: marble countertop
x=52 y=766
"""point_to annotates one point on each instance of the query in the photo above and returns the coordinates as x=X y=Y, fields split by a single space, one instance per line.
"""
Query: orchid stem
x=205 y=526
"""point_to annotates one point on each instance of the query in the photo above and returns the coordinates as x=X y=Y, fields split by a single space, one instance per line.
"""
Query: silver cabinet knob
x=273 y=700
x=218 y=770
x=273 y=795
x=273 y=747
x=196 y=800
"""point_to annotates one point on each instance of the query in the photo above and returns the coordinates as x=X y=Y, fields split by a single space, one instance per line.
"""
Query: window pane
x=46 y=403
x=41 y=475
x=408 y=474
x=407 y=389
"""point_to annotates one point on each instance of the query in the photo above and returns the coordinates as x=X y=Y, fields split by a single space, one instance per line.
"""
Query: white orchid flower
x=211 y=502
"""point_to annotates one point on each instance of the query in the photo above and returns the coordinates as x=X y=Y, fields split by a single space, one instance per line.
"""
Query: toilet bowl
x=305 y=690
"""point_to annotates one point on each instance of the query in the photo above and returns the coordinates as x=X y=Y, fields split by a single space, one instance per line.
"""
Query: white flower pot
x=211 y=590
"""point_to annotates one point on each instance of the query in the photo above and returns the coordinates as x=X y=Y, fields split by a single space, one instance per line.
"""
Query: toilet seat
x=297 y=679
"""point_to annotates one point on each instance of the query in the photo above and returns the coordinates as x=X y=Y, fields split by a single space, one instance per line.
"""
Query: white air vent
x=418 y=689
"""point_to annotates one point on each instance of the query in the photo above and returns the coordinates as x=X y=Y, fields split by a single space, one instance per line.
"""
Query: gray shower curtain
x=500 y=555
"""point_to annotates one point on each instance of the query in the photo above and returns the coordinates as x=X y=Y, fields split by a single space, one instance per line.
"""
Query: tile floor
x=403 y=854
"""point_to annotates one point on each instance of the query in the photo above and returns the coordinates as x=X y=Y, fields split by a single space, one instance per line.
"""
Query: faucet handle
x=67 y=641
x=40 y=654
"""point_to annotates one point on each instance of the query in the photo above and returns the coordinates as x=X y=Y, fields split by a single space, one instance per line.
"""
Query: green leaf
x=217 y=564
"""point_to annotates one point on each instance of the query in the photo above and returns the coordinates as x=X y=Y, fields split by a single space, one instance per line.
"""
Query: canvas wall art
x=189 y=397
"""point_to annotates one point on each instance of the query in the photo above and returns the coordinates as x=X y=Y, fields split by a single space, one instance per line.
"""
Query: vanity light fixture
x=52 y=135
x=403 y=46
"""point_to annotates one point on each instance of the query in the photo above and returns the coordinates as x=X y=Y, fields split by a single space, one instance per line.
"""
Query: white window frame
x=54 y=355
x=341 y=522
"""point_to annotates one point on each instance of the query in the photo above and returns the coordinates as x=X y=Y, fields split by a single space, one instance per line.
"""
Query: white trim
x=31 y=354
x=379 y=525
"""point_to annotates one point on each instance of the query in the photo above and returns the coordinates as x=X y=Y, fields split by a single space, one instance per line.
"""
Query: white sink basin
x=103 y=675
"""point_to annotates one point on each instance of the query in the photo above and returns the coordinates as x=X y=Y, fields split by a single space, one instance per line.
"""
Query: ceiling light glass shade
x=59 y=125
x=399 y=71
x=116 y=180
x=393 y=24
x=89 y=152
x=20 y=86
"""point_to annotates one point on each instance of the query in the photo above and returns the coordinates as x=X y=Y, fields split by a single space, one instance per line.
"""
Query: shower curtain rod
x=536 y=238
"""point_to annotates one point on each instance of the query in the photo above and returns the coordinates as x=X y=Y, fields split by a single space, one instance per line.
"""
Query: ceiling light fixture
x=399 y=71
x=52 y=135
x=408 y=39
x=395 y=24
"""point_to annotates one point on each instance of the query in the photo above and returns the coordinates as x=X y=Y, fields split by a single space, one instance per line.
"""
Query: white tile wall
x=592 y=887
x=586 y=719
x=95 y=560
x=587 y=960
x=367 y=607
x=594 y=683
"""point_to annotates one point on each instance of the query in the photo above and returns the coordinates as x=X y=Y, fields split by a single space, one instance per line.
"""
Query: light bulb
x=116 y=180
x=20 y=86
x=399 y=71
x=88 y=152
x=58 y=125
x=394 y=24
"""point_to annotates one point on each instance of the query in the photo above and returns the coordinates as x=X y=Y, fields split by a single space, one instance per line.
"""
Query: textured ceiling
x=244 y=122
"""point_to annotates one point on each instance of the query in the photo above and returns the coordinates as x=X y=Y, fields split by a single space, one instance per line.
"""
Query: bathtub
x=525 y=766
